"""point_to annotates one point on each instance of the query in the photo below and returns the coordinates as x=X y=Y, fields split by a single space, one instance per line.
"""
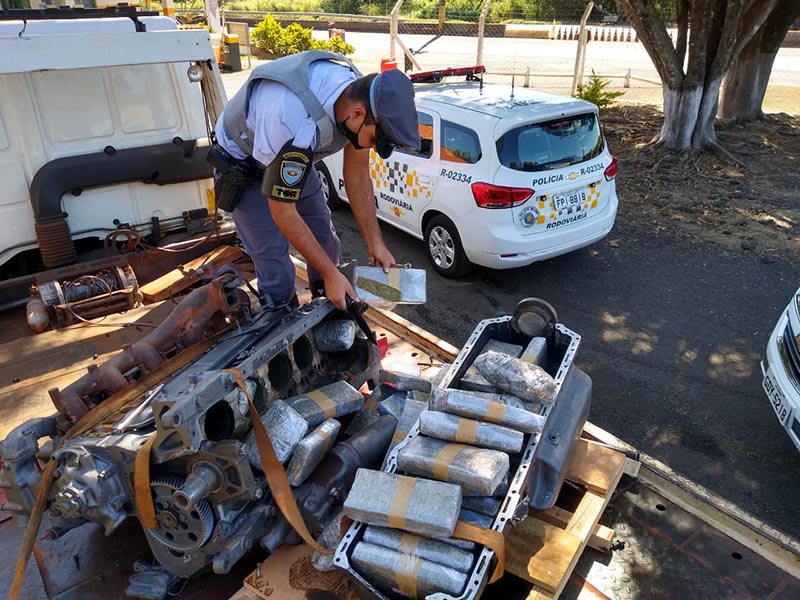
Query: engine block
x=212 y=506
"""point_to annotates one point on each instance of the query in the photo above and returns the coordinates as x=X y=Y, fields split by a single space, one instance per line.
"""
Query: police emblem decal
x=292 y=171
x=528 y=216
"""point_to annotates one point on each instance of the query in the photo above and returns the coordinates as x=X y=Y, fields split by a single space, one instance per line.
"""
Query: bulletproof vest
x=291 y=71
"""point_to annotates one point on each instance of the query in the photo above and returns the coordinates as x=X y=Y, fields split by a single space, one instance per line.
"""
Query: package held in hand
x=384 y=290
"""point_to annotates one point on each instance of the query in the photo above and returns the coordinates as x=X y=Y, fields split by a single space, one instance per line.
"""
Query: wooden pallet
x=177 y=280
x=545 y=547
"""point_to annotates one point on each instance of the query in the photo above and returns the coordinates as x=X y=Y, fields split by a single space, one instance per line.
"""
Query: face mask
x=352 y=137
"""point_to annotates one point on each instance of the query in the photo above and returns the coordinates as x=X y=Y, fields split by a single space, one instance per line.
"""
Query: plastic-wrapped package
x=335 y=336
x=474 y=469
x=524 y=380
x=429 y=549
x=333 y=400
x=453 y=428
x=415 y=505
x=467 y=404
x=311 y=450
x=409 y=575
x=286 y=427
x=384 y=290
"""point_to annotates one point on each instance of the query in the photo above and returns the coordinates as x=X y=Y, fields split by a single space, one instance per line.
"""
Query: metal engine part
x=211 y=505
x=86 y=291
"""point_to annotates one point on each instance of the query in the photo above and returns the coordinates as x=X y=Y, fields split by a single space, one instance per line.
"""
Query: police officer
x=291 y=113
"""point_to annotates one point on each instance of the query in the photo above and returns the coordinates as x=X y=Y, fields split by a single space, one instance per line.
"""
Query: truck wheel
x=444 y=248
x=331 y=195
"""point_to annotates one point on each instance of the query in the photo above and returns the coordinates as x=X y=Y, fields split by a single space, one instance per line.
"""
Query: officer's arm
x=358 y=185
x=283 y=182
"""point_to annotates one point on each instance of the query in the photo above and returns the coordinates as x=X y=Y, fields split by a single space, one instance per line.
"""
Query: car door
x=405 y=183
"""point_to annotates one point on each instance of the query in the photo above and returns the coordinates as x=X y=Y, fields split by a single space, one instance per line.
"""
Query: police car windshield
x=552 y=144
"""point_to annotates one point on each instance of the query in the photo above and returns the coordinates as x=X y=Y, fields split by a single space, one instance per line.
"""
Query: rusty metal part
x=55 y=242
x=202 y=312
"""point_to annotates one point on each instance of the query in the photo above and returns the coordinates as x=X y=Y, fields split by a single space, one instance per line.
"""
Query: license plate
x=568 y=199
x=776 y=398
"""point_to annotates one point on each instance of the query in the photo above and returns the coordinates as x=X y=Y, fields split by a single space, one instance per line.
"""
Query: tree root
x=720 y=152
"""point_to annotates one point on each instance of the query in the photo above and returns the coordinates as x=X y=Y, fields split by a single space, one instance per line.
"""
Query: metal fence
x=542 y=55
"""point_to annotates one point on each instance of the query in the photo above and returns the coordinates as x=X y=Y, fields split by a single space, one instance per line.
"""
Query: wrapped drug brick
x=415 y=505
x=453 y=428
x=311 y=450
x=335 y=336
x=414 y=545
x=361 y=421
x=404 y=574
x=524 y=380
x=485 y=505
x=383 y=290
x=405 y=382
x=474 y=469
x=333 y=400
x=467 y=404
x=285 y=426
x=408 y=419
x=393 y=405
x=535 y=352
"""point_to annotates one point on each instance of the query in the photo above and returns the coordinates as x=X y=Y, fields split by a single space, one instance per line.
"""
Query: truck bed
x=670 y=538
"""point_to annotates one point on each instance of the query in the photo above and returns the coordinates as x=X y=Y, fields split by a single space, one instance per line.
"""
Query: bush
x=595 y=91
x=274 y=40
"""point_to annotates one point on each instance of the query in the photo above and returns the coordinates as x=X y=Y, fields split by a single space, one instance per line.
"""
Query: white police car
x=781 y=370
x=505 y=176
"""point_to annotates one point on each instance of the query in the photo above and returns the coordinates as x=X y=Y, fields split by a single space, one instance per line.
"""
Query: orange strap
x=490 y=538
x=273 y=469
x=141 y=486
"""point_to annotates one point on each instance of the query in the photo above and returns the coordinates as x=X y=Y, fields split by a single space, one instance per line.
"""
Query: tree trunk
x=747 y=78
x=689 y=118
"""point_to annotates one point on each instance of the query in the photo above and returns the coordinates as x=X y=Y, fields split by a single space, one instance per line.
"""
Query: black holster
x=232 y=176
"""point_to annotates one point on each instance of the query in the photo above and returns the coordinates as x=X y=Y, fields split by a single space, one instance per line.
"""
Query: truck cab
x=103 y=138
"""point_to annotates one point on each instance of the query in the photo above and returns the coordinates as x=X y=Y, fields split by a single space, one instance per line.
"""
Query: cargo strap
x=141 y=485
x=494 y=540
x=97 y=415
x=277 y=480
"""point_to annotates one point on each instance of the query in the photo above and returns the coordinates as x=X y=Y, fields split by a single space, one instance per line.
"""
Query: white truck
x=103 y=138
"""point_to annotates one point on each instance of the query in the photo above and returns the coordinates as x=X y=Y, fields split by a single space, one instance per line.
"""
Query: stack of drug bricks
x=455 y=467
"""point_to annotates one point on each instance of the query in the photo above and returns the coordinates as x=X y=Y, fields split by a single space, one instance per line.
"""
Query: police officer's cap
x=391 y=96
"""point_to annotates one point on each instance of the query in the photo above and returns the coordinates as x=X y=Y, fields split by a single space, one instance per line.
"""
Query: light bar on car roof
x=437 y=75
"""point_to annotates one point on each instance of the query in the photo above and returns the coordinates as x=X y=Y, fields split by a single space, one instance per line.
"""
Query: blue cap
x=391 y=98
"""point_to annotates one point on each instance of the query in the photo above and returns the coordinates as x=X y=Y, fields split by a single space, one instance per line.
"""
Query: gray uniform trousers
x=268 y=247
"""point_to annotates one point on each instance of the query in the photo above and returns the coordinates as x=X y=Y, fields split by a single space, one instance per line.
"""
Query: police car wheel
x=444 y=247
x=331 y=196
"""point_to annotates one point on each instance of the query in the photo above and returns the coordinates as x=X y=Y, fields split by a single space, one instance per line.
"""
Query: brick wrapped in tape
x=403 y=574
x=474 y=469
x=414 y=545
x=333 y=400
x=467 y=404
x=524 y=380
x=414 y=505
x=453 y=428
